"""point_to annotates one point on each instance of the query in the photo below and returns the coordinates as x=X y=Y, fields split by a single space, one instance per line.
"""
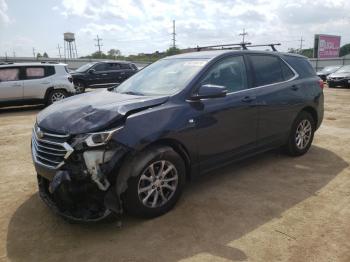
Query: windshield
x=85 y=67
x=329 y=69
x=344 y=69
x=164 y=77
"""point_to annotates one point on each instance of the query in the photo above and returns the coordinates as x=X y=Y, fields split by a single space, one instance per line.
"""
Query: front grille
x=50 y=149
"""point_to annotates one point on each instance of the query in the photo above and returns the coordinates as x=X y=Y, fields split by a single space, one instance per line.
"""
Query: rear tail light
x=70 y=79
x=321 y=83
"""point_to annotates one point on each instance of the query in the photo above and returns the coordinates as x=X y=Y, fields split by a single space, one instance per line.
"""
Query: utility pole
x=34 y=52
x=243 y=34
x=98 y=40
x=59 y=50
x=301 y=44
x=5 y=56
x=174 y=35
x=14 y=54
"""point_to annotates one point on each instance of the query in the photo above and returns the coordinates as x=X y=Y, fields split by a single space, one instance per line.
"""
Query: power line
x=243 y=34
x=174 y=35
x=98 y=40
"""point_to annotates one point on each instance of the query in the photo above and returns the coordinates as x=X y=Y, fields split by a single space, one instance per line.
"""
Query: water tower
x=70 y=48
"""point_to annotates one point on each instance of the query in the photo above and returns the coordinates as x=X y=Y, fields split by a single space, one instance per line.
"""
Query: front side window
x=267 y=69
x=101 y=67
x=35 y=72
x=230 y=73
x=9 y=74
x=164 y=77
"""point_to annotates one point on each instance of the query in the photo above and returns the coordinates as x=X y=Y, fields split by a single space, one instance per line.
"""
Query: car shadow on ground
x=21 y=110
x=214 y=211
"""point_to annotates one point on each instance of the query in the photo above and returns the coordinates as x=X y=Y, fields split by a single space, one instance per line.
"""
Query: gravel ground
x=268 y=208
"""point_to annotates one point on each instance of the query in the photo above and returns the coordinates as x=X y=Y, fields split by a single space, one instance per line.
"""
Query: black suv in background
x=102 y=74
x=133 y=148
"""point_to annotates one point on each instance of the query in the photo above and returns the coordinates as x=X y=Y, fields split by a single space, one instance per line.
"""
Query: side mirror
x=92 y=71
x=210 y=91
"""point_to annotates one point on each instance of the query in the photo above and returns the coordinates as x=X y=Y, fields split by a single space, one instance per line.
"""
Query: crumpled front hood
x=93 y=111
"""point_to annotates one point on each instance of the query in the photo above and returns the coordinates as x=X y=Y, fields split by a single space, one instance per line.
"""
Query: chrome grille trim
x=49 y=153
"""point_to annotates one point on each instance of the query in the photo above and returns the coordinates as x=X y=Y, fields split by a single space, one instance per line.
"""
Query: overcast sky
x=143 y=26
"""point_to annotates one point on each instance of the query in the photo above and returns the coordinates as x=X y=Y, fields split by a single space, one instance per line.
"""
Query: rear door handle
x=295 y=88
x=16 y=85
x=248 y=99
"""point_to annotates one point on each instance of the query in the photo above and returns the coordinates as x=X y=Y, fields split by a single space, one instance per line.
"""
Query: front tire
x=301 y=134
x=157 y=183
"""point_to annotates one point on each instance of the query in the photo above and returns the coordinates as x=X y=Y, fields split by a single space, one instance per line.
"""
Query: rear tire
x=154 y=193
x=301 y=134
x=56 y=95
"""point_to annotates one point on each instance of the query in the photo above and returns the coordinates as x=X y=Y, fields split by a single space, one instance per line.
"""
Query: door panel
x=35 y=83
x=278 y=96
x=226 y=126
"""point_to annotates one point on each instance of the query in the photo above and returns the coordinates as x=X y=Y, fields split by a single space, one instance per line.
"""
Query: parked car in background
x=132 y=148
x=327 y=71
x=102 y=74
x=340 y=78
x=34 y=83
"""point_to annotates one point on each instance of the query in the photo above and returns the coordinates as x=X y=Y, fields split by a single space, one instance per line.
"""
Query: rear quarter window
x=301 y=65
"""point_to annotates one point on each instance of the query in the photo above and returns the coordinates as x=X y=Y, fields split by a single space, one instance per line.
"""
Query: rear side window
x=113 y=66
x=9 y=74
x=301 y=65
x=34 y=72
x=124 y=66
x=267 y=69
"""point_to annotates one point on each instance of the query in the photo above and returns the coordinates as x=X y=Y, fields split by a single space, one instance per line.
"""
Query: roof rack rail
x=223 y=47
x=244 y=46
x=49 y=62
x=6 y=63
x=270 y=45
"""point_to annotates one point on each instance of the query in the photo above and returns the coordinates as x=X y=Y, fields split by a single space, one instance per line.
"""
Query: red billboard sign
x=328 y=46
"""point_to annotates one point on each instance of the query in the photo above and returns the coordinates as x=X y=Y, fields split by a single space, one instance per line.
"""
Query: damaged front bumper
x=77 y=183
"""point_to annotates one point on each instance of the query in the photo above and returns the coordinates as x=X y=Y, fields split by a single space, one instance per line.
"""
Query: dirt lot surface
x=268 y=208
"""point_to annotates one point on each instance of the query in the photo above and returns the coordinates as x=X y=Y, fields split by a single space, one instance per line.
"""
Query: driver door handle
x=248 y=99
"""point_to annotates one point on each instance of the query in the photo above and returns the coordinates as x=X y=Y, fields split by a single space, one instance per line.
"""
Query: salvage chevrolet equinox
x=132 y=148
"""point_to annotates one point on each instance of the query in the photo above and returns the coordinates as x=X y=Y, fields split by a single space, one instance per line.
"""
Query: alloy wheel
x=303 y=134
x=157 y=184
x=57 y=96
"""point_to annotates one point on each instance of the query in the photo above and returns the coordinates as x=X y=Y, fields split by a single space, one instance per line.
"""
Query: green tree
x=38 y=55
x=113 y=53
x=344 y=50
x=172 y=51
x=45 y=55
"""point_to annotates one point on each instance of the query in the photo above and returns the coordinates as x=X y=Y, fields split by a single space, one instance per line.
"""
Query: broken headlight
x=95 y=139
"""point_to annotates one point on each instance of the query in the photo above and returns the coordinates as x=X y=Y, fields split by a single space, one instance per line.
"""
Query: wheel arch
x=312 y=111
x=179 y=148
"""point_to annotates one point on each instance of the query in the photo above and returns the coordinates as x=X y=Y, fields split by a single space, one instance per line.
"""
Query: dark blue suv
x=132 y=148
